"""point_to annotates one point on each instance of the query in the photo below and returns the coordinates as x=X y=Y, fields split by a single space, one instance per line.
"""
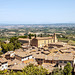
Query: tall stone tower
x=55 y=38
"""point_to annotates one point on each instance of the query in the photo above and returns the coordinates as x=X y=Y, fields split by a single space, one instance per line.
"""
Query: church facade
x=43 y=41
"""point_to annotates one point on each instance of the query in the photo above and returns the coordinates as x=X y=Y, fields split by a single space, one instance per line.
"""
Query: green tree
x=1 y=53
x=20 y=73
x=41 y=35
x=34 y=70
x=71 y=42
x=17 y=45
x=7 y=47
x=15 y=42
x=0 y=43
x=35 y=35
x=57 y=71
x=29 y=70
x=0 y=49
x=68 y=69
x=3 y=72
x=25 y=36
x=4 y=47
x=10 y=46
x=29 y=36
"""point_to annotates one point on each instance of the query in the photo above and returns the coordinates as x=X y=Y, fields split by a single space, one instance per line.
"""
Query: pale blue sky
x=37 y=11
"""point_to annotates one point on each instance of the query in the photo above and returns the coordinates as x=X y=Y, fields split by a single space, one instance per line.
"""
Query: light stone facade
x=43 y=41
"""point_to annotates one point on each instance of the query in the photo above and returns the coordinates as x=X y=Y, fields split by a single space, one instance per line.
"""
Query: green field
x=63 y=39
x=3 y=39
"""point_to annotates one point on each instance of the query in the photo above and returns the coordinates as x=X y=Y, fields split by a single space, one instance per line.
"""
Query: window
x=65 y=61
x=51 y=62
x=60 y=61
x=41 y=59
x=38 y=59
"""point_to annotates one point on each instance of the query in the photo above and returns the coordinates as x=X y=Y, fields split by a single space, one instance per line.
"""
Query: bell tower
x=55 y=38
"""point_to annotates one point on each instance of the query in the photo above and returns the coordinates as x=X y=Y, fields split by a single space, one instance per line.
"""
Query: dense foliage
x=14 y=44
x=31 y=35
x=57 y=71
x=67 y=70
x=23 y=36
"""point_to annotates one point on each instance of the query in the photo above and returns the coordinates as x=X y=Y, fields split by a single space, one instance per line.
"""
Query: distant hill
x=37 y=25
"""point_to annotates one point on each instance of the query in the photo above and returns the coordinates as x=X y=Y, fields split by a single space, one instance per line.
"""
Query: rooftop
x=42 y=38
x=22 y=54
x=17 y=67
x=60 y=57
x=2 y=60
x=24 y=39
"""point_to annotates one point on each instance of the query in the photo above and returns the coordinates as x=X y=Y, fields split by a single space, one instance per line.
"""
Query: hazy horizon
x=33 y=23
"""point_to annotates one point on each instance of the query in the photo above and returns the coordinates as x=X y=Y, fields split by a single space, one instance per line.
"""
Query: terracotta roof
x=60 y=57
x=22 y=54
x=3 y=60
x=15 y=61
x=59 y=43
x=66 y=51
x=25 y=39
x=48 y=66
x=43 y=38
x=28 y=61
x=40 y=56
x=9 y=52
x=46 y=52
x=17 y=67
x=18 y=50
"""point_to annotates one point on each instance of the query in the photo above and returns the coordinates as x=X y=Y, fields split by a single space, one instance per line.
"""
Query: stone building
x=3 y=64
x=22 y=56
x=43 y=41
x=25 y=41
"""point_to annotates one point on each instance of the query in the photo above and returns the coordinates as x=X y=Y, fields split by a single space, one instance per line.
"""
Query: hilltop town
x=45 y=51
x=37 y=37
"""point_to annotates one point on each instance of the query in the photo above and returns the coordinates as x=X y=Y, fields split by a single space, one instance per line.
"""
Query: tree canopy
x=15 y=42
x=68 y=69
x=34 y=70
